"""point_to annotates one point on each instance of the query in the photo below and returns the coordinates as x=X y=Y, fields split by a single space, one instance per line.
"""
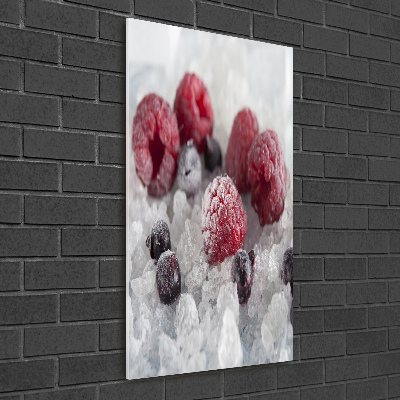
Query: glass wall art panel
x=209 y=188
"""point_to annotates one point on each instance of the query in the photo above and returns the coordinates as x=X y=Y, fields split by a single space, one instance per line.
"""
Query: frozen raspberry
x=193 y=111
x=287 y=268
x=212 y=156
x=155 y=142
x=244 y=130
x=243 y=274
x=168 y=278
x=159 y=239
x=189 y=169
x=267 y=176
x=224 y=221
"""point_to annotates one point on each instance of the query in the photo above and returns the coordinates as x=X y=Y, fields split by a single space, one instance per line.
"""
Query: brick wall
x=62 y=202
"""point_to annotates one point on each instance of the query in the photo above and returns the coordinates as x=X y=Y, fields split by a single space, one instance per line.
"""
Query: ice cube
x=144 y=285
x=228 y=298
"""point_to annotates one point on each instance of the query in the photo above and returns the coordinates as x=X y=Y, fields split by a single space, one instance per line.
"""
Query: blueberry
x=189 y=169
x=212 y=155
x=243 y=274
x=287 y=268
x=168 y=278
x=159 y=240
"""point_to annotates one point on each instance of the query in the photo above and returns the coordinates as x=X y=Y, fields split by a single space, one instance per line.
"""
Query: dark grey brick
x=395 y=7
x=177 y=11
x=296 y=297
x=112 y=150
x=60 y=18
x=395 y=147
x=60 y=340
x=384 y=123
x=112 y=27
x=253 y=379
x=394 y=386
x=117 y=5
x=59 y=145
x=92 y=306
x=384 y=315
x=366 y=342
x=395 y=242
x=87 y=115
x=299 y=374
x=395 y=100
x=10 y=273
x=345 y=268
x=296 y=86
x=384 y=364
x=384 y=26
x=88 y=369
x=305 y=216
x=308 y=321
x=318 y=346
x=346 y=218
x=347 y=118
x=368 y=193
x=296 y=138
x=267 y=6
x=297 y=189
x=96 y=241
x=28 y=309
x=85 y=393
x=279 y=395
x=112 y=273
x=49 y=210
x=343 y=369
x=10 y=209
x=146 y=389
x=60 y=81
x=384 y=170
x=394 y=52
x=308 y=61
x=367 y=242
x=316 y=294
x=322 y=242
x=88 y=178
x=307 y=113
x=112 y=211
x=60 y=274
x=377 y=5
x=296 y=241
x=308 y=10
x=370 y=389
x=384 y=74
x=277 y=30
x=384 y=267
x=394 y=338
x=346 y=18
x=369 y=96
x=331 y=141
x=324 y=393
x=367 y=292
x=346 y=68
x=9 y=74
x=112 y=336
x=87 y=54
x=21 y=108
x=324 y=90
x=309 y=269
x=308 y=164
x=192 y=386
x=370 y=145
x=338 y=319
x=346 y=167
x=384 y=218
x=319 y=38
x=394 y=291
x=10 y=141
x=395 y=195
x=112 y=88
x=9 y=11
x=27 y=375
x=318 y=191
x=10 y=344
x=28 y=242
x=28 y=44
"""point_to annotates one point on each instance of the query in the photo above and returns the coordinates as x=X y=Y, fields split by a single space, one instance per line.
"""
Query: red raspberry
x=193 y=111
x=244 y=130
x=155 y=142
x=224 y=221
x=267 y=176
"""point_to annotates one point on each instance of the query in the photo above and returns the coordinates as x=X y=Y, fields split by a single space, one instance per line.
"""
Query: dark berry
x=155 y=143
x=189 y=169
x=212 y=155
x=244 y=130
x=159 y=239
x=168 y=278
x=267 y=176
x=243 y=274
x=287 y=268
x=193 y=111
x=224 y=220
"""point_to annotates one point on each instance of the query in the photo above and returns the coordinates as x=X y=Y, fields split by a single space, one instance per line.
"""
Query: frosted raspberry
x=155 y=142
x=224 y=221
x=267 y=176
x=193 y=111
x=244 y=130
